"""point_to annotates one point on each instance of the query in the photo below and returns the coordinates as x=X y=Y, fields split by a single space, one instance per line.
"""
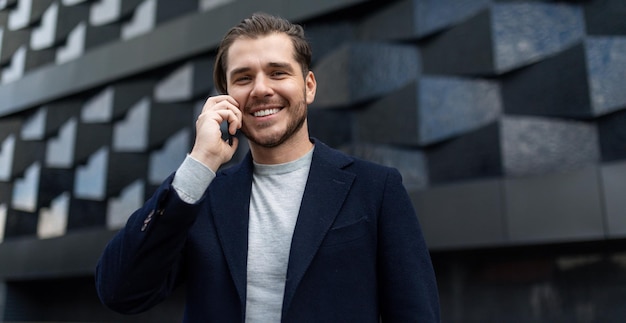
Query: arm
x=408 y=289
x=142 y=263
x=140 y=266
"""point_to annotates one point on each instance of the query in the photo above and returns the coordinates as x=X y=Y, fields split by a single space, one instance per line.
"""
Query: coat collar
x=327 y=182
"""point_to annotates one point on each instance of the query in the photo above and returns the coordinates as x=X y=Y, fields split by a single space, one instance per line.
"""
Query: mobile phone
x=226 y=136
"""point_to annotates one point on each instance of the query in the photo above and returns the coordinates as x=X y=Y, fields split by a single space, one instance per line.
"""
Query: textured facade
x=507 y=120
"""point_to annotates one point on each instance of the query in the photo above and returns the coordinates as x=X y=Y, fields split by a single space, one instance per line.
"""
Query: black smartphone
x=226 y=136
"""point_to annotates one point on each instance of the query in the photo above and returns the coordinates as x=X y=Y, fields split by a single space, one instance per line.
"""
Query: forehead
x=272 y=48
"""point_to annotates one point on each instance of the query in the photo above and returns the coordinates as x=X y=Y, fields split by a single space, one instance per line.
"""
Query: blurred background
x=507 y=120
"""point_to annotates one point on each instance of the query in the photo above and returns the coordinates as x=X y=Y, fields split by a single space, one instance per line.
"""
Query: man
x=297 y=232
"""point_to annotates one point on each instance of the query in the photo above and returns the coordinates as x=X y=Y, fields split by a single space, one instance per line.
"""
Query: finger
x=220 y=102
x=233 y=116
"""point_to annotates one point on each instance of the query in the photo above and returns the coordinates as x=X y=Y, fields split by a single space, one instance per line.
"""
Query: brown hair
x=261 y=24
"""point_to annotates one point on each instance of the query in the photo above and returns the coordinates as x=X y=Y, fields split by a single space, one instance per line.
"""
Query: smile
x=266 y=112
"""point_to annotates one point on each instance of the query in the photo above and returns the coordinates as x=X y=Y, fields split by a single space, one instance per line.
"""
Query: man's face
x=267 y=82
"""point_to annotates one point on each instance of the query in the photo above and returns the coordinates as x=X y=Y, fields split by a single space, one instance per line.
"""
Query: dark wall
x=506 y=119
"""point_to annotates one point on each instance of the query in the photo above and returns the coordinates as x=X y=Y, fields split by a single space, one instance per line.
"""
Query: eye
x=278 y=73
x=242 y=79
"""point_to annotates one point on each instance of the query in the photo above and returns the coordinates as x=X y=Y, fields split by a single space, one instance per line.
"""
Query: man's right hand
x=209 y=148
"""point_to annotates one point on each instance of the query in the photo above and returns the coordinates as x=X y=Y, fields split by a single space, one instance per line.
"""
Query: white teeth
x=266 y=112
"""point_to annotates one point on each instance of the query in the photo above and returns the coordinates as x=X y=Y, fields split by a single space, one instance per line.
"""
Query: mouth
x=265 y=112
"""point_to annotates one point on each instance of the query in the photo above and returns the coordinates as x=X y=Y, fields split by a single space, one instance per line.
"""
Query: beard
x=297 y=117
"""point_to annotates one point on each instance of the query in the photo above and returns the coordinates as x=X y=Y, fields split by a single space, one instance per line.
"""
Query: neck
x=297 y=146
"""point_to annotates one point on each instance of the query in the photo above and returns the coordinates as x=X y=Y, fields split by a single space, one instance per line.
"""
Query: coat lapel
x=230 y=201
x=326 y=189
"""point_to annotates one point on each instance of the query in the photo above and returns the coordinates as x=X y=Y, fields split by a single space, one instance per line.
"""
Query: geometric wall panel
x=410 y=163
x=7 y=150
x=166 y=119
x=72 y=2
x=109 y=11
x=99 y=108
x=538 y=146
x=106 y=174
x=43 y=35
x=187 y=82
x=53 y=220
x=6 y=189
x=36 y=59
x=90 y=180
x=430 y=110
x=329 y=125
x=60 y=150
x=94 y=36
x=124 y=169
x=515 y=146
x=27 y=13
x=412 y=19
x=612 y=132
x=19 y=17
x=58 y=113
x=11 y=42
x=86 y=214
x=70 y=16
x=114 y=101
x=47 y=120
x=605 y=17
x=15 y=69
x=89 y=139
x=34 y=125
x=19 y=223
x=581 y=82
x=26 y=189
x=104 y=12
x=205 y=5
x=358 y=72
x=325 y=38
x=167 y=10
x=504 y=37
x=119 y=209
x=131 y=134
x=606 y=61
x=53 y=182
x=166 y=160
x=142 y=21
x=74 y=45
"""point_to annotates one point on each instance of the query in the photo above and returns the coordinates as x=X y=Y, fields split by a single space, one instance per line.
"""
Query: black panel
x=467 y=215
x=555 y=208
x=86 y=214
x=612 y=130
x=20 y=224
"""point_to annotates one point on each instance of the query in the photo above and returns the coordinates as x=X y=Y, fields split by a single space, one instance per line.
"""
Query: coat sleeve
x=406 y=277
x=140 y=266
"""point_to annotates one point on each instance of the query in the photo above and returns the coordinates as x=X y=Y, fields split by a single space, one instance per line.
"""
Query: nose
x=262 y=87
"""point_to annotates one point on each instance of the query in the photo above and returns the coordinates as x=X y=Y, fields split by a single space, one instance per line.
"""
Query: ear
x=311 y=87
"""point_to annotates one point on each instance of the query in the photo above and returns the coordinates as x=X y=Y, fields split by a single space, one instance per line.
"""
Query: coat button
x=147 y=221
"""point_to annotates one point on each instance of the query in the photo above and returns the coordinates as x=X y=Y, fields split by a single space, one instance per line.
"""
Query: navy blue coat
x=357 y=253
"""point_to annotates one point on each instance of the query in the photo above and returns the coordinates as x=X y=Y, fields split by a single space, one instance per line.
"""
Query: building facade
x=507 y=120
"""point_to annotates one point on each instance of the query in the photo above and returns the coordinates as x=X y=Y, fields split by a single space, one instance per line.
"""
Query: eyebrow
x=286 y=66
x=242 y=70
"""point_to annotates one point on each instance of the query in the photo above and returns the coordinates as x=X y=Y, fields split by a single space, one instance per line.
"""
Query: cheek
x=240 y=97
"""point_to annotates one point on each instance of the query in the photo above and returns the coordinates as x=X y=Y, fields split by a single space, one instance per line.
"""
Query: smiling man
x=297 y=232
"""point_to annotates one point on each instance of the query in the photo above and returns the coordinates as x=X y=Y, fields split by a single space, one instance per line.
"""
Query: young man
x=297 y=232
